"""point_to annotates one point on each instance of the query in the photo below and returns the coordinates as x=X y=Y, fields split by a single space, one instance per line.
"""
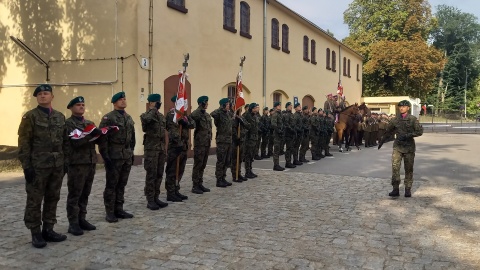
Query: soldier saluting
x=153 y=124
x=42 y=142
x=117 y=152
x=81 y=170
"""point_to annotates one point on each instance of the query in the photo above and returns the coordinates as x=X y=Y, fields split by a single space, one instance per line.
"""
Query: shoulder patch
x=105 y=118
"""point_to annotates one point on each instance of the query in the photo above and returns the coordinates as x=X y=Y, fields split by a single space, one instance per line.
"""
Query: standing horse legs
x=340 y=139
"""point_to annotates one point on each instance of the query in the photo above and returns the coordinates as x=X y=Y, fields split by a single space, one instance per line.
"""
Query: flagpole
x=238 y=110
x=185 y=65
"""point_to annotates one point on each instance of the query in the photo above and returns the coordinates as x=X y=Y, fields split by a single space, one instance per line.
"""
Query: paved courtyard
x=281 y=220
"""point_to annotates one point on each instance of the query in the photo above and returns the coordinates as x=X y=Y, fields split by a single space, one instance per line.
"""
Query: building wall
x=86 y=30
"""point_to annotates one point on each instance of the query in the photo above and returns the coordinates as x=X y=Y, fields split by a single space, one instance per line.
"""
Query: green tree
x=392 y=36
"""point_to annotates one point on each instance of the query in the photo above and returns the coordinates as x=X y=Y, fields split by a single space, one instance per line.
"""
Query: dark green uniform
x=118 y=148
x=314 y=134
x=251 y=139
x=290 y=136
x=305 y=145
x=298 y=126
x=278 y=131
x=202 y=142
x=223 y=138
x=265 y=134
x=42 y=140
x=259 y=137
x=177 y=148
x=329 y=127
x=81 y=170
x=154 y=125
x=271 y=131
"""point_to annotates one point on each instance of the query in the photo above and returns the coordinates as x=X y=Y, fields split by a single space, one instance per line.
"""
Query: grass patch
x=8 y=159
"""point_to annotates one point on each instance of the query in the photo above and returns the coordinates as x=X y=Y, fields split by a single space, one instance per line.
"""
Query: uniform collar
x=45 y=110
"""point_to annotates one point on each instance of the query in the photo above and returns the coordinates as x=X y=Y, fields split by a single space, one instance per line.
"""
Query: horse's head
x=363 y=109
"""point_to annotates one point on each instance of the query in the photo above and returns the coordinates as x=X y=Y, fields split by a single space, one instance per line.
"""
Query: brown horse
x=343 y=123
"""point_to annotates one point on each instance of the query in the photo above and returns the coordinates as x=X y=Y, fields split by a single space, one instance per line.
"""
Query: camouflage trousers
x=249 y=155
x=45 y=187
x=296 y=146
x=265 y=143
x=200 y=159
x=80 y=181
x=171 y=184
x=224 y=154
x=277 y=147
x=366 y=137
x=305 y=145
x=241 y=158
x=270 y=144
x=408 y=159
x=116 y=181
x=258 y=144
x=290 y=141
x=154 y=166
x=315 y=149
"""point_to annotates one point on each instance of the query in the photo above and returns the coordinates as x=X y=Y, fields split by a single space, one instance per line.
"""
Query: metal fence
x=450 y=123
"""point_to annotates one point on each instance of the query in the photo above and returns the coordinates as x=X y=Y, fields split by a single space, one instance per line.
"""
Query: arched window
x=313 y=48
x=178 y=5
x=277 y=97
x=348 y=68
x=305 y=48
x=229 y=15
x=275 y=34
x=334 y=61
x=245 y=20
x=285 y=38
x=344 y=66
x=328 y=59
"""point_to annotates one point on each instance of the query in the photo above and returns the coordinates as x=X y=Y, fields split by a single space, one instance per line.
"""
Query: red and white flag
x=239 y=100
x=340 y=88
x=80 y=134
x=181 y=105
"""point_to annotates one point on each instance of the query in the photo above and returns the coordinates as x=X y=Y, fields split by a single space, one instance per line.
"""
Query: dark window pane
x=328 y=58
x=305 y=48
x=313 y=51
x=244 y=18
x=285 y=31
x=334 y=61
x=229 y=13
x=275 y=33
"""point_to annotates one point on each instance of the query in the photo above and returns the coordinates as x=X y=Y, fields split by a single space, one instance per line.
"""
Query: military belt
x=48 y=149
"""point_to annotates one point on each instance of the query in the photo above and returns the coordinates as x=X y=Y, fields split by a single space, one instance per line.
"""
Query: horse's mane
x=347 y=108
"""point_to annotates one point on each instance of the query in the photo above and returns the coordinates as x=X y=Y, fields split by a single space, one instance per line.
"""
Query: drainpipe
x=264 y=53
x=150 y=48
x=340 y=62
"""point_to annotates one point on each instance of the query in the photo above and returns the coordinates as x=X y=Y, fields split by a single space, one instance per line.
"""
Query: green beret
x=202 y=99
x=305 y=108
x=265 y=109
x=271 y=110
x=154 y=97
x=297 y=105
x=118 y=96
x=277 y=103
x=224 y=101
x=314 y=108
x=75 y=101
x=288 y=104
x=174 y=98
x=252 y=106
x=405 y=103
x=42 y=87
x=246 y=106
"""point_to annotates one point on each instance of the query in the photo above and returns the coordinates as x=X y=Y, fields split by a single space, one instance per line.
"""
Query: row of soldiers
x=372 y=128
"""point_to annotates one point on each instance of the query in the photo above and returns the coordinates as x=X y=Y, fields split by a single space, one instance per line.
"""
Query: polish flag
x=340 y=88
x=239 y=100
x=80 y=134
x=181 y=105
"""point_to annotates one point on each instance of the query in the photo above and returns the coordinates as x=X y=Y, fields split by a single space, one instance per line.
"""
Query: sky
x=329 y=14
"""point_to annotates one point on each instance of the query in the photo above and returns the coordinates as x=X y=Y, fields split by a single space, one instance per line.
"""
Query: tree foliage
x=392 y=36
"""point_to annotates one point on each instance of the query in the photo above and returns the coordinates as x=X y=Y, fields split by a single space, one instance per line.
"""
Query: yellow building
x=97 y=48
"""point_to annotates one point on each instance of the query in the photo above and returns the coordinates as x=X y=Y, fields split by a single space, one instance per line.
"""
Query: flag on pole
x=80 y=134
x=239 y=100
x=181 y=105
x=340 y=88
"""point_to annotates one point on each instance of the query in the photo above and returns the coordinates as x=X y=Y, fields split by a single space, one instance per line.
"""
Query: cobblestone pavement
x=276 y=221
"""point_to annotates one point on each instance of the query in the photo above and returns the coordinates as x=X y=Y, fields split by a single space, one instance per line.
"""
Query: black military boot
x=122 y=214
x=85 y=225
x=196 y=189
x=50 y=235
x=181 y=196
x=327 y=152
x=254 y=175
x=242 y=177
x=257 y=157
x=296 y=162
x=226 y=182
x=75 y=229
x=110 y=217
x=171 y=197
x=239 y=180
x=264 y=156
x=204 y=189
x=221 y=183
x=278 y=168
x=152 y=205
x=290 y=165
x=315 y=157
x=37 y=238
x=269 y=154
x=408 y=192
x=395 y=192
x=249 y=175
x=160 y=203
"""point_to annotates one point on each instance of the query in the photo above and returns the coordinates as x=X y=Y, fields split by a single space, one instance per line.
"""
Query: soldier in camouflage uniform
x=284 y=142
x=264 y=132
x=305 y=144
x=251 y=138
x=278 y=131
x=81 y=169
x=322 y=135
x=290 y=135
x=314 y=122
x=270 y=134
x=405 y=127
x=223 y=121
x=367 y=131
x=298 y=126
x=202 y=142
x=117 y=152
x=329 y=127
x=374 y=134
x=154 y=124
x=42 y=141
x=259 y=136
x=238 y=145
x=177 y=149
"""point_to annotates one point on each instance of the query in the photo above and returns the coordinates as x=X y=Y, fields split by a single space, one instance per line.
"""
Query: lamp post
x=431 y=105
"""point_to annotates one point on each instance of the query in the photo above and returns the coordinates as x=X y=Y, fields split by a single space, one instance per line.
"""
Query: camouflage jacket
x=290 y=129
x=119 y=144
x=153 y=124
x=329 y=124
x=407 y=127
x=265 y=124
x=42 y=139
x=202 y=136
x=314 y=122
x=329 y=105
x=252 y=121
x=224 y=122
x=306 y=124
x=298 y=120
x=277 y=123
x=82 y=150
x=175 y=139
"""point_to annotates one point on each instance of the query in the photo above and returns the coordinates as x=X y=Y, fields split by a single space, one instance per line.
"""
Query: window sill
x=275 y=47
x=285 y=50
x=329 y=68
x=177 y=7
x=334 y=70
x=245 y=35
x=229 y=28
x=314 y=62
x=306 y=59
x=349 y=76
